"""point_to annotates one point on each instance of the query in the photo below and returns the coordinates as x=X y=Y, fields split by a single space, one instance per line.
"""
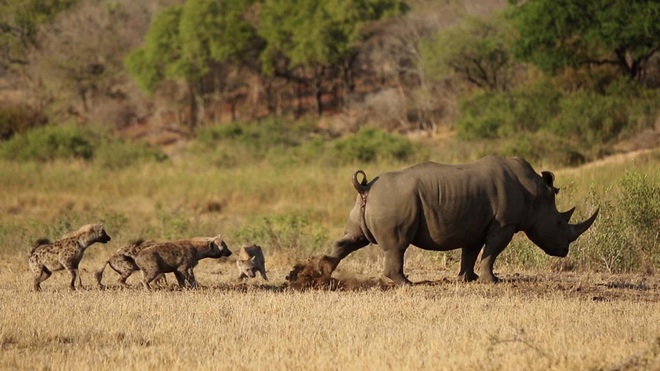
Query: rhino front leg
x=468 y=259
x=496 y=240
x=394 y=266
x=342 y=248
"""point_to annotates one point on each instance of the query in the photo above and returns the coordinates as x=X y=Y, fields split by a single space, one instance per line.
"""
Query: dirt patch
x=314 y=274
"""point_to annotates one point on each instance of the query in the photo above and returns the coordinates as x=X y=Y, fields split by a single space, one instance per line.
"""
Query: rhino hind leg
x=342 y=248
x=393 y=268
x=468 y=259
x=496 y=240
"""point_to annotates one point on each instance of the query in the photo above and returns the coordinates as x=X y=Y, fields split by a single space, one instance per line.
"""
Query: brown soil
x=586 y=286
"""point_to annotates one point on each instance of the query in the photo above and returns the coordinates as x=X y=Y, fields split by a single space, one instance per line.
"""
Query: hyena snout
x=105 y=238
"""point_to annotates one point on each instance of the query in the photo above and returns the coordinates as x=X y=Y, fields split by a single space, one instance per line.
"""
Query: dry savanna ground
x=531 y=320
x=543 y=316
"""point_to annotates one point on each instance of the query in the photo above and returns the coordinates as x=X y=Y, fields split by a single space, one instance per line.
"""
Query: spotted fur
x=66 y=253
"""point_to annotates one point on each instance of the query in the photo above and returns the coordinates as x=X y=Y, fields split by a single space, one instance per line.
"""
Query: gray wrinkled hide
x=443 y=207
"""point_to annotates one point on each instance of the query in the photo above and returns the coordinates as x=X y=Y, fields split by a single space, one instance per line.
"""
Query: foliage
x=371 y=144
x=19 y=23
x=475 y=49
x=625 y=237
x=289 y=232
x=306 y=39
x=162 y=55
x=583 y=121
x=571 y=33
x=17 y=119
x=257 y=137
x=116 y=154
x=49 y=143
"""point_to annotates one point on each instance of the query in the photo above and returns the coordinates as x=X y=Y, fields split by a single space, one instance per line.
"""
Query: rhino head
x=551 y=229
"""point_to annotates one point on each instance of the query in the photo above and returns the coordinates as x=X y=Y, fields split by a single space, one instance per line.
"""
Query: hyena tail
x=99 y=274
x=39 y=242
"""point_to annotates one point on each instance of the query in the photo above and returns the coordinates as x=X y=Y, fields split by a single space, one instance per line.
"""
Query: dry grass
x=530 y=321
x=579 y=319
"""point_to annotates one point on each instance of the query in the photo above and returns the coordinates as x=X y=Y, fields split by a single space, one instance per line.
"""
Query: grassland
x=597 y=309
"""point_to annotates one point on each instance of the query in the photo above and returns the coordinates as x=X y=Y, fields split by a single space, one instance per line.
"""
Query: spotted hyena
x=66 y=253
x=251 y=260
x=179 y=257
x=123 y=262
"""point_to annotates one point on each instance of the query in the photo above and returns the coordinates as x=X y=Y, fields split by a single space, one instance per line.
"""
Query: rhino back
x=442 y=207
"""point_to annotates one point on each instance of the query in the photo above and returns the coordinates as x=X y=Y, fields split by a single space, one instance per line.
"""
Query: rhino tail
x=361 y=186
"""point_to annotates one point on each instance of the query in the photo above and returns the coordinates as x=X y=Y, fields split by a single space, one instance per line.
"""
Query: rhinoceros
x=444 y=207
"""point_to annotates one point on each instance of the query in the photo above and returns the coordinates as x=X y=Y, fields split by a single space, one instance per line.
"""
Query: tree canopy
x=19 y=22
x=554 y=34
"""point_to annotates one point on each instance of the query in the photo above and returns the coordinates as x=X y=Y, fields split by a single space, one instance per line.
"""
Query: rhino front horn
x=578 y=229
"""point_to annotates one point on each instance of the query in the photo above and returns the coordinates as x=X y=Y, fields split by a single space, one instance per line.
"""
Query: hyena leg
x=161 y=280
x=123 y=277
x=43 y=274
x=180 y=278
x=75 y=276
x=190 y=277
x=147 y=277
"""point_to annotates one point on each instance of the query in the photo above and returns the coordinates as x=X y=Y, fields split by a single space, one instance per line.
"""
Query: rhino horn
x=578 y=229
x=567 y=214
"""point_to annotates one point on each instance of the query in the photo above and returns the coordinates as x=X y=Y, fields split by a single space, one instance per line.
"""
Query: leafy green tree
x=19 y=22
x=306 y=39
x=554 y=34
x=187 y=42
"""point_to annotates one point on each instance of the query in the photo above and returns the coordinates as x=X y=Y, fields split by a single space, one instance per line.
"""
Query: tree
x=307 y=39
x=476 y=50
x=188 y=42
x=78 y=66
x=19 y=23
x=555 y=34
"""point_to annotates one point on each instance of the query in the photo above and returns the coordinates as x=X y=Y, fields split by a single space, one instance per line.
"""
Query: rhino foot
x=489 y=278
x=467 y=277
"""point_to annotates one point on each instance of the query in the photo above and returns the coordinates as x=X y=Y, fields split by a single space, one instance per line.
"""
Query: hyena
x=66 y=253
x=251 y=259
x=123 y=262
x=179 y=257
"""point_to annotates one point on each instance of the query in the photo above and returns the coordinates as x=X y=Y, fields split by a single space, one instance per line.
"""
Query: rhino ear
x=549 y=179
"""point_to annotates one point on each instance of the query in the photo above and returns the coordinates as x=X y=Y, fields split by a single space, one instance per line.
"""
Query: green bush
x=117 y=154
x=583 y=122
x=18 y=119
x=371 y=144
x=49 y=143
x=625 y=236
x=287 y=232
x=258 y=137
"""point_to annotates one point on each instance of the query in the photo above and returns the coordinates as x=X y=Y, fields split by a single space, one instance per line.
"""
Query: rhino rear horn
x=567 y=215
x=578 y=229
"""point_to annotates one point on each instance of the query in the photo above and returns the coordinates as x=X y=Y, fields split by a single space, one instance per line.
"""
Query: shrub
x=371 y=144
x=18 y=119
x=625 y=236
x=117 y=154
x=258 y=137
x=286 y=231
x=49 y=143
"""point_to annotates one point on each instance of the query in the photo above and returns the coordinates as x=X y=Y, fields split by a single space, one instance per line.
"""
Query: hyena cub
x=179 y=257
x=123 y=262
x=66 y=253
x=251 y=259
